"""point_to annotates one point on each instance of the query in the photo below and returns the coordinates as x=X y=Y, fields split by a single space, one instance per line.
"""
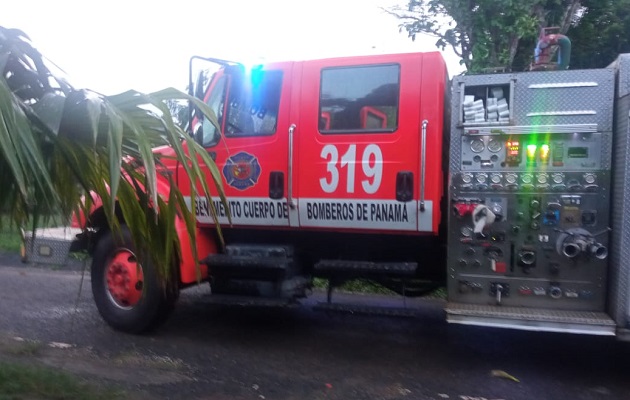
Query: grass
x=11 y=237
x=368 y=287
x=354 y=286
x=18 y=381
x=26 y=348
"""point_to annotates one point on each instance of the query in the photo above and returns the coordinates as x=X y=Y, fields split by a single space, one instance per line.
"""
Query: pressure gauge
x=542 y=178
x=482 y=178
x=495 y=178
x=467 y=177
x=494 y=145
x=526 y=178
x=511 y=178
x=477 y=145
x=589 y=178
x=557 y=178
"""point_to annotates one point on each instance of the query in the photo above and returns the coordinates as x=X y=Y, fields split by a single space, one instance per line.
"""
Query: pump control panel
x=529 y=190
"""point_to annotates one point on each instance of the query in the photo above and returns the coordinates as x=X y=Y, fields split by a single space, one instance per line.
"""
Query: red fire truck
x=499 y=186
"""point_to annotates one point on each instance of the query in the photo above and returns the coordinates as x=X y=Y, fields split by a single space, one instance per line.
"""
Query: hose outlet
x=527 y=257
x=571 y=250
x=599 y=251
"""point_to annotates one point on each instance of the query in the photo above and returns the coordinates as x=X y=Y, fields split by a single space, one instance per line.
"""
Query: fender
x=190 y=271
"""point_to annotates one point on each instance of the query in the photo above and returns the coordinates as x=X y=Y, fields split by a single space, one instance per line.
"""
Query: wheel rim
x=124 y=279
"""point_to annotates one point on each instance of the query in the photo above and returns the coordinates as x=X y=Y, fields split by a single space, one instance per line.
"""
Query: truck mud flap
x=531 y=319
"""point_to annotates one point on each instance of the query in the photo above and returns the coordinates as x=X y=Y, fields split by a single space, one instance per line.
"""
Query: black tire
x=136 y=307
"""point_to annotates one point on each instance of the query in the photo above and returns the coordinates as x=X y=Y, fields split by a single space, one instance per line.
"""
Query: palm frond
x=57 y=143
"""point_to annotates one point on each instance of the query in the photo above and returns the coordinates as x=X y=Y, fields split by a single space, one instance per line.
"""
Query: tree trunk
x=513 y=49
x=569 y=14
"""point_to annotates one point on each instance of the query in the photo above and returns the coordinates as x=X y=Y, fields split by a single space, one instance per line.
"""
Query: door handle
x=290 y=199
x=423 y=161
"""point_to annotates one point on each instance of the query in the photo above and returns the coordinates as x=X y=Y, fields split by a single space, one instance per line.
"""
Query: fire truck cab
x=331 y=168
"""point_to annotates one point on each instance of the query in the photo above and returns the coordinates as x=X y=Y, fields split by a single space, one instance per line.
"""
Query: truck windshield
x=254 y=99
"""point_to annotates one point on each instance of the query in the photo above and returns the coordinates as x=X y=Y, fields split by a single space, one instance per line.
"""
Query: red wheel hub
x=124 y=279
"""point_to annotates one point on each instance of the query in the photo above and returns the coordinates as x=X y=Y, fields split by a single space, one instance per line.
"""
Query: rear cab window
x=359 y=99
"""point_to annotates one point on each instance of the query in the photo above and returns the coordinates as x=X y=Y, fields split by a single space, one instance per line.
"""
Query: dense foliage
x=58 y=143
x=603 y=33
x=503 y=33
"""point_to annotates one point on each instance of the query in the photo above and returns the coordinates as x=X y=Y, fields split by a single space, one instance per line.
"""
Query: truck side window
x=216 y=101
x=253 y=104
x=359 y=99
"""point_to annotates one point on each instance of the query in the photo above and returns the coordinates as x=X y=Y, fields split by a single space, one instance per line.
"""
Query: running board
x=247 y=267
x=531 y=319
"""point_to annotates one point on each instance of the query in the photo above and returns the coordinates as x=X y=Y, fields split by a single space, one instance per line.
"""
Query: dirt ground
x=206 y=352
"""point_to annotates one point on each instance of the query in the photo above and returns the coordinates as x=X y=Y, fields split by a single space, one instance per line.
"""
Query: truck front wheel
x=128 y=295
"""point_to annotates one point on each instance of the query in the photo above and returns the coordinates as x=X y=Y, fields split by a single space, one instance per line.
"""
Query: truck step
x=364 y=309
x=364 y=269
x=247 y=267
x=544 y=320
x=259 y=250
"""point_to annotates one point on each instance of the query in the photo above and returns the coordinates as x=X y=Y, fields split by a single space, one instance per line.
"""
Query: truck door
x=252 y=106
x=359 y=143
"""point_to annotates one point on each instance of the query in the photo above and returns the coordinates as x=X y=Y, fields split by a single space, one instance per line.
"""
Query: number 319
x=371 y=164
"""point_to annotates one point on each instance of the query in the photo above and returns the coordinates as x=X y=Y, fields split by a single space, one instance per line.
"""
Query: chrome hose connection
x=527 y=257
x=571 y=250
x=599 y=251
x=577 y=241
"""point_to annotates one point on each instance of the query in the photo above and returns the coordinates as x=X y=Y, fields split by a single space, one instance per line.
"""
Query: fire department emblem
x=241 y=171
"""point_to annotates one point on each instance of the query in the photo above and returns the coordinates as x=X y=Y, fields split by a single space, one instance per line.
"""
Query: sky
x=112 y=46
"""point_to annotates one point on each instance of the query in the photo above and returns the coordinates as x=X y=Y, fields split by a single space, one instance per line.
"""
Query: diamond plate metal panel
x=606 y=150
x=620 y=237
x=623 y=64
x=49 y=246
x=593 y=323
x=456 y=131
x=565 y=97
x=539 y=314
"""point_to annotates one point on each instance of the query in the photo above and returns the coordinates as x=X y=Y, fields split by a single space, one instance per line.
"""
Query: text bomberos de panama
x=377 y=212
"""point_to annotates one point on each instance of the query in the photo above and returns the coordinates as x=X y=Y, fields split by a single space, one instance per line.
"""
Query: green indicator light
x=531 y=151
x=544 y=152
